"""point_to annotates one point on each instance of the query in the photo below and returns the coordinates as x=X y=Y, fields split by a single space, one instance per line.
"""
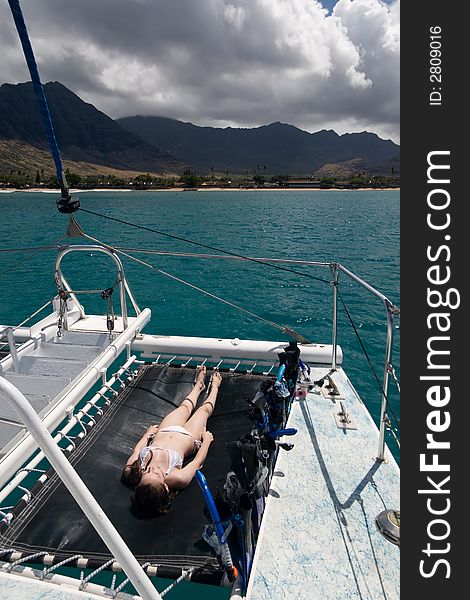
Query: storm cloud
x=220 y=62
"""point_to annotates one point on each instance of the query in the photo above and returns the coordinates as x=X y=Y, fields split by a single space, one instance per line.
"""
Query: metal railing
x=70 y=396
x=336 y=268
x=99 y=398
x=390 y=310
x=121 y=279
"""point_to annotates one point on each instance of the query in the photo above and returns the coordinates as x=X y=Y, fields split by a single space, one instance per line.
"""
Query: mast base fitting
x=68 y=204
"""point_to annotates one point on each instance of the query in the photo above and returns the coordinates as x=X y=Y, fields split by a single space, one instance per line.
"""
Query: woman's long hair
x=152 y=499
x=132 y=474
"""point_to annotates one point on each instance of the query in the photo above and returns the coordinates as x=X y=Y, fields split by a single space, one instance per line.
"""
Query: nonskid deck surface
x=319 y=539
x=16 y=587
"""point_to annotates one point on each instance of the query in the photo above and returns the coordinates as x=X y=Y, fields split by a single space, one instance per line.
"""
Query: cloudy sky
x=330 y=65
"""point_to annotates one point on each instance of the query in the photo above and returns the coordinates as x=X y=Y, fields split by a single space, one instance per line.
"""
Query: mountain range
x=87 y=138
x=92 y=142
x=276 y=148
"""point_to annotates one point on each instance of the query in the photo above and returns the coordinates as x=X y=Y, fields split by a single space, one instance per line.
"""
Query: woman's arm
x=182 y=478
x=145 y=440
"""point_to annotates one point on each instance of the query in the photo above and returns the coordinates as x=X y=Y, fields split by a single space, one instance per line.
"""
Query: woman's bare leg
x=197 y=423
x=180 y=415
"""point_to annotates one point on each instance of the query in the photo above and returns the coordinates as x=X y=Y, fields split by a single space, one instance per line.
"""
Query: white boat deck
x=49 y=367
x=319 y=539
x=45 y=372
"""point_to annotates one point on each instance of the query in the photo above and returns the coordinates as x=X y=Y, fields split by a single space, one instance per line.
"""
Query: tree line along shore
x=23 y=180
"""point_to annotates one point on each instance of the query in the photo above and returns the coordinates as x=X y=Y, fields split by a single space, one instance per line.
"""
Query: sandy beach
x=200 y=189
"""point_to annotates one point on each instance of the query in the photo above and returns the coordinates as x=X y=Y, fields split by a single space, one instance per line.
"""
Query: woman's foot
x=212 y=392
x=216 y=379
x=200 y=377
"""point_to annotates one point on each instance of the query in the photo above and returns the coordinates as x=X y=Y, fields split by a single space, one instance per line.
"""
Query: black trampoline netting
x=52 y=521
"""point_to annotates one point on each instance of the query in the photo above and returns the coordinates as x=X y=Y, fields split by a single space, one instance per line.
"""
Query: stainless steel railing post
x=388 y=353
x=390 y=310
x=335 y=271
x=121 y=277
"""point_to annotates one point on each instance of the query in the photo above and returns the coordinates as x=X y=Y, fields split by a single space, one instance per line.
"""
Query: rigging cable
x=292 y=261
x=23 y=322
x=35 y=252
x=382 y=391
x=284 y=329
x=181 y=239
x=27 y=249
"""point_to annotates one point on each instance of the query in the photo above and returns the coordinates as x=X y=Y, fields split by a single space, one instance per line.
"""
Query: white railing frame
x=74 y=420
x=15 y=457
x=79 y=491
x=122 y=282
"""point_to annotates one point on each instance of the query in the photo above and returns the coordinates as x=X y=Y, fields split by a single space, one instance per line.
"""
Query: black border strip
x=433 y=259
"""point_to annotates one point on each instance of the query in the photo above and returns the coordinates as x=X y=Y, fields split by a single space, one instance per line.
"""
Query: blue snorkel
x=226 y=557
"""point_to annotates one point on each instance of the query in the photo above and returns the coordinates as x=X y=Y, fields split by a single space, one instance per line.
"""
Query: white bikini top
x=174 y=458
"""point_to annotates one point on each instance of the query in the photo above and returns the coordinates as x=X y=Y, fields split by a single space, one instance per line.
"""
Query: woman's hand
x=207 y=437
x=151 y=432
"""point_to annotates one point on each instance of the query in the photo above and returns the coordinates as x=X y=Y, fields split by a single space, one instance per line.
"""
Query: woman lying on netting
x=155 y=468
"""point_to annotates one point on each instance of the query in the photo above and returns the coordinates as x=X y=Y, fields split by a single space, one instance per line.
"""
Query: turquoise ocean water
x=359 y=229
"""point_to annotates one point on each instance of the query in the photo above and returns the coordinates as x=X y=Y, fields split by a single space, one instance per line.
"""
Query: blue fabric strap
x=41 y=98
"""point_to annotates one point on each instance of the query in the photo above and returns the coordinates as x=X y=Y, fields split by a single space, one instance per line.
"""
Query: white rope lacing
x=46 y=571
x=184 y=575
